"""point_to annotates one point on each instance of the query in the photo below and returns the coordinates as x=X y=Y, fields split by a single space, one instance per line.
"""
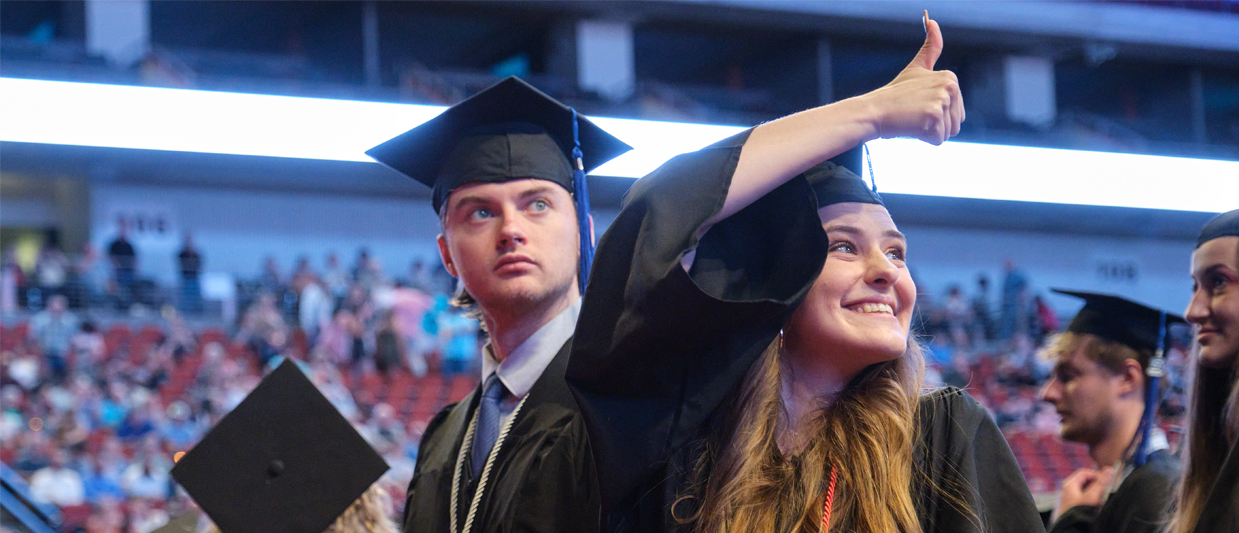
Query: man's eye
x=480 y=214
x=539 y=205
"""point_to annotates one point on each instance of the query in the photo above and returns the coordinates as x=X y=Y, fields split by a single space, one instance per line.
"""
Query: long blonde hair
x=1213 y=426
x=745 y=483
x=369 y=513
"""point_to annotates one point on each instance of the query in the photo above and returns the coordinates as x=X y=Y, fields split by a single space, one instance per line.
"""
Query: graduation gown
x=657 y=350
x=1142 y=503
x=541 y=480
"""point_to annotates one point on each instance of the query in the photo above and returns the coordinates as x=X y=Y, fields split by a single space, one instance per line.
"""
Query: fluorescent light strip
x=1027 y=174
x=85 y=114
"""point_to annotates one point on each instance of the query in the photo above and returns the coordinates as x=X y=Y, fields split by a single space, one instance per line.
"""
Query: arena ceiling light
x=84 y=114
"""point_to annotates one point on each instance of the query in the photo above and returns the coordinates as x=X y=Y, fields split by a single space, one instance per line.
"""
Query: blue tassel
x=581 y=192
x=1157 y=368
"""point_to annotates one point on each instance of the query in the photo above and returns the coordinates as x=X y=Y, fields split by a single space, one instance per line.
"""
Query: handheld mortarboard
x=284 y=460
x=1223 y=225
x=508 y=131
x=1137 y=326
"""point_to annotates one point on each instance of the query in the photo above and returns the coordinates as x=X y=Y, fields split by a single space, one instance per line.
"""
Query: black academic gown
x=1142 y=503
x=657 y=350
x=542 y=480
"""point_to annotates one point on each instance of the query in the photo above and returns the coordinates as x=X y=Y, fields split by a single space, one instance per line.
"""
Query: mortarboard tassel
x=1157 y=369
x=873 y=180
x=581 y=192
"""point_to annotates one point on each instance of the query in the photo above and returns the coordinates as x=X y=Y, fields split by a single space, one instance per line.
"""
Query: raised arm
x=920 y=102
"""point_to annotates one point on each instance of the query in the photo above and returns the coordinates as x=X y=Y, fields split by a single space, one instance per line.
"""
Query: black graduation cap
x=1223 y=225
x=1120 y=320
x=833 y=183
x=284 y=460
x=508 y=131
x=1137 y=326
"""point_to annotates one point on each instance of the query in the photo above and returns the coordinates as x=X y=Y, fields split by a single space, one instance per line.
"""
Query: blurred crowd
x=95 y=415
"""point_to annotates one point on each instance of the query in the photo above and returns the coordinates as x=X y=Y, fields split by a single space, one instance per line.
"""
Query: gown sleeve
x=971 y=481
x=657 y=349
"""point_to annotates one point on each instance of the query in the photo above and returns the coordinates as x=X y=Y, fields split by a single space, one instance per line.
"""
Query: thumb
x=929 y=52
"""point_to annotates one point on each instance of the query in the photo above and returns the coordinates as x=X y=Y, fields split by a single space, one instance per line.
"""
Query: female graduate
x=743 y=360
x=1209 y=494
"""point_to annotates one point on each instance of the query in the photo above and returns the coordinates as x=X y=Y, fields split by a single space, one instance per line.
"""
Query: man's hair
x=1109 y=354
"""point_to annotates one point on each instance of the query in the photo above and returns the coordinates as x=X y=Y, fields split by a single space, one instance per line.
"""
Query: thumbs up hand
x=920 y=102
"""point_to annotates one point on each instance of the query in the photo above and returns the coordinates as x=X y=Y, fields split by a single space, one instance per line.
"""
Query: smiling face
x=512 y=244
x=861 y=304
x=1214 y=310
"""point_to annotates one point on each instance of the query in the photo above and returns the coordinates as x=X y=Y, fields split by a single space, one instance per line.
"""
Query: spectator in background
x=52 y=267
x=124 y=261
x=410 y=307
x=88 y=349
x=1047 y=319
x=78 y=283
x=144 y=518
x=362 y=264
x=389 y=346
x=146 y=478
x=12 y=281
x=52 y=328
x=335 y=279
x=1014 y=302
x=314 y=306
x=179 y=429
x=335 y=340
x=420 y=276
x=983 y=319
x=263 y=328
x=57 y=483
x=302 y=269
x=190 y=261
x=98 y=485
x=270 y=279
x=958 y=317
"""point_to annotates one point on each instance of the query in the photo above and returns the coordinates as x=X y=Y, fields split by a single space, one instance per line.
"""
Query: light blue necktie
x=487 y=431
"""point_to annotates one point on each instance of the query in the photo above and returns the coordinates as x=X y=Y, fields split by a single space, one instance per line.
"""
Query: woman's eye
x=896 y=254
x=539 y=205
x=1217 y=281
x=845 y=247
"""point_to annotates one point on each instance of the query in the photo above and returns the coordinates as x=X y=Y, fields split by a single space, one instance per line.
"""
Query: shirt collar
x=522 y=368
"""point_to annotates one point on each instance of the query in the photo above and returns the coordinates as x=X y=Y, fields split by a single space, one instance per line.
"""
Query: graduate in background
x=507 y=168
x=743 y=357
x=1209 y=497
x=1108 y=365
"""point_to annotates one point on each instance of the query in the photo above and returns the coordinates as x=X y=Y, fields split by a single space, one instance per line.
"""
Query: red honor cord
x=830 y=499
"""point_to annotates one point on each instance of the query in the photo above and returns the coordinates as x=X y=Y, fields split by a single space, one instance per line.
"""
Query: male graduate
x=507 y=168
x=1108 y=369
